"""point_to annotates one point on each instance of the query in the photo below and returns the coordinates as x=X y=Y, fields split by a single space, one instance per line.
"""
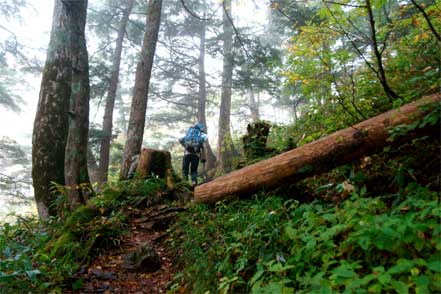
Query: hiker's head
x=201 y=127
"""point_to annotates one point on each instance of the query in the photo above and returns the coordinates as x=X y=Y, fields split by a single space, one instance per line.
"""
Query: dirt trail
x=108 y=273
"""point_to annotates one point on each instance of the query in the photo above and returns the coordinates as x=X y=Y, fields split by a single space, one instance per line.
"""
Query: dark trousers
x=191 y=161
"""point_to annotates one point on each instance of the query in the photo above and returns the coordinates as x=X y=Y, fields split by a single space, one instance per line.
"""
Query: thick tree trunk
x=202 y=96
x=225 y=148
x=51 y=122
x=154 y=162
x=135 y=130
x=320 y=156
x=75 y=163
x=111 y=94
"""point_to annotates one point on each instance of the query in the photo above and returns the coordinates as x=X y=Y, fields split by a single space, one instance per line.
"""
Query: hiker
x=193 y=142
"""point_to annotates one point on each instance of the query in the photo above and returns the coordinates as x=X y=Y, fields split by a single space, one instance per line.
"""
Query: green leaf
x=364 y=242
x=375 y=288
x=278 y=267
x=384 y=278
x=311 y=244
x=330 y=217
x=422 y=285
x=344 y=272
x=400 y=287
x=325 y=288
x=256 y=276
x=402 y=266
x=378 y=269
x=366 y=279
x=291 y=232
x=434 y=265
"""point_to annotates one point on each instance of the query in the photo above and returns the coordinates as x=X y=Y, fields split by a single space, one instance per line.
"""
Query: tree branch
x=426 y=17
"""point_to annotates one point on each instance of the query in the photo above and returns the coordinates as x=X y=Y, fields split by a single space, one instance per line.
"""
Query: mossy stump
x=254 y=143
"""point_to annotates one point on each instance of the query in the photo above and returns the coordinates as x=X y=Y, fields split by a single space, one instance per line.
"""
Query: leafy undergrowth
x=42 y=257
x=274 y=245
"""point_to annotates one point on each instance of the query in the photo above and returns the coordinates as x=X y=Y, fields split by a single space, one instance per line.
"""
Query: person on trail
x=193 y=142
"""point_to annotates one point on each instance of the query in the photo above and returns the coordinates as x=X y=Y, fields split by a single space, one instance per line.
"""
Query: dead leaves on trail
x=108 y=273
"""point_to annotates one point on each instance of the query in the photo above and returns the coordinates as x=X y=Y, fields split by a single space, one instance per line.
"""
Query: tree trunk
x=92 y=166
x=202 y=95
x=75 y=162
x=51 y=122
x=111 y=94
x=224 y=148
x=135 y=130
x=320 y=156
x=154 y=162
x=254 y=107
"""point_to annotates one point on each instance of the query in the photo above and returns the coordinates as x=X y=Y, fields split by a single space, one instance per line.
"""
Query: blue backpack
x=193 y=140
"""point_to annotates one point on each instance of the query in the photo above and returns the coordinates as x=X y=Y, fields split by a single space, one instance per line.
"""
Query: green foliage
x=268 y=245
x=40 y=258
x=330 y=59
x=23 y=266
x=432 y=118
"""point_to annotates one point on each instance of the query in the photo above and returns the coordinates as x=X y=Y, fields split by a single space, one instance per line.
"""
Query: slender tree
x=224 y=135
x=202 y=95
x=51 y=123
x=135 y=131
x=254 y=106
x=75 y=162
x=111 y=94
x=380 y=72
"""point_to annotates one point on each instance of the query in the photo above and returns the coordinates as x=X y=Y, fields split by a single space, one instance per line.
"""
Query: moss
x=59 y=246
x=82 y=215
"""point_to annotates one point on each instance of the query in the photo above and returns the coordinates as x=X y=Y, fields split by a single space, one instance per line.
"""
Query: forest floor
x=108 y=273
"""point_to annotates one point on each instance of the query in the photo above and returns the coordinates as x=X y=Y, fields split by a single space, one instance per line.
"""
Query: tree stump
x=153 y=162
x=254 y=143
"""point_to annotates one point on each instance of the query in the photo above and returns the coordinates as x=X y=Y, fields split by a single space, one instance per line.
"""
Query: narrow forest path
x=113 y=273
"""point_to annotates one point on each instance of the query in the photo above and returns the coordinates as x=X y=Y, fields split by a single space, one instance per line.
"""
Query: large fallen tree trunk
x=316 y=157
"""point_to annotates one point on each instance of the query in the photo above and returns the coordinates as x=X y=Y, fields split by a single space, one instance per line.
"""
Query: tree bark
x=254 y=107
x=111 y=94
x=92 y=166
x=202 y=95
x=51 y=122
x=135 y=130
x=75 y=163
x=224 y=148
x=320 y=156
x=154 y=162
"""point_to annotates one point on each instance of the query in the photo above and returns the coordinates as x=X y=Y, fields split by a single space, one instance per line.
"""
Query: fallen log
x=316 y=157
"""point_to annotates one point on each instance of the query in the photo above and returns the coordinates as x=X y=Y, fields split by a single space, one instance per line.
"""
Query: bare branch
x=197 y=16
